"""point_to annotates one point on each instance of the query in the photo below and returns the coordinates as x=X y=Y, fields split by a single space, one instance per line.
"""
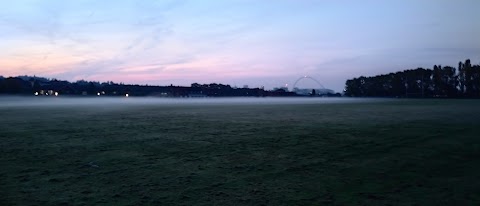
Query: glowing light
x=56 y=93
x=36 y=93
x=126 y=95
x=98 y=93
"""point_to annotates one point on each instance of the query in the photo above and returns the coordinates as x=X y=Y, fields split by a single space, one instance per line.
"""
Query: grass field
x=395 y=152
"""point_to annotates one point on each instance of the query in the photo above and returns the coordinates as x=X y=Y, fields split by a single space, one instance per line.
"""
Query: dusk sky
x=238 y=42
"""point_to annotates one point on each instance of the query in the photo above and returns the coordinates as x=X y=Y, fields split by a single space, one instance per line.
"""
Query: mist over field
x=240 y=102
x=21 y=101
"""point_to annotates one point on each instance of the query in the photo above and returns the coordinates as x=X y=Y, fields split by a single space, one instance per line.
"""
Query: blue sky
x=259 y=43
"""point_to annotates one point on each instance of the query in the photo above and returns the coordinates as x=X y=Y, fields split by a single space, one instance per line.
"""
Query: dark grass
x=400 y=152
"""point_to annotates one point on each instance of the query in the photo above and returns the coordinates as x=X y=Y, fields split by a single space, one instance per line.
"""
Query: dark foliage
x=437 y=82
x=42 y=86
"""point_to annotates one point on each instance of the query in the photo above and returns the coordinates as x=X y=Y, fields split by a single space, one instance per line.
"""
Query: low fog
x=21 y=101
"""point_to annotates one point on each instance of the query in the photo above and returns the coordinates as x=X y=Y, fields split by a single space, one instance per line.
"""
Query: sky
x=266 y=43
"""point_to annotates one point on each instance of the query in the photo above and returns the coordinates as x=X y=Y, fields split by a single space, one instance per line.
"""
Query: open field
x=379 y=152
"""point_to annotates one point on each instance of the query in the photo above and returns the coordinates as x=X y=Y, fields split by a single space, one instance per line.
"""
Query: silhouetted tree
x=14 y=85
x=467 y=67
x=461 y=78
x=476 y=81
x=420 y=82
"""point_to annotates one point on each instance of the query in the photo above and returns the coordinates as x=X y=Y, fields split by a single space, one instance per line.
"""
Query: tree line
x=447 y=82
x=32 y=85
